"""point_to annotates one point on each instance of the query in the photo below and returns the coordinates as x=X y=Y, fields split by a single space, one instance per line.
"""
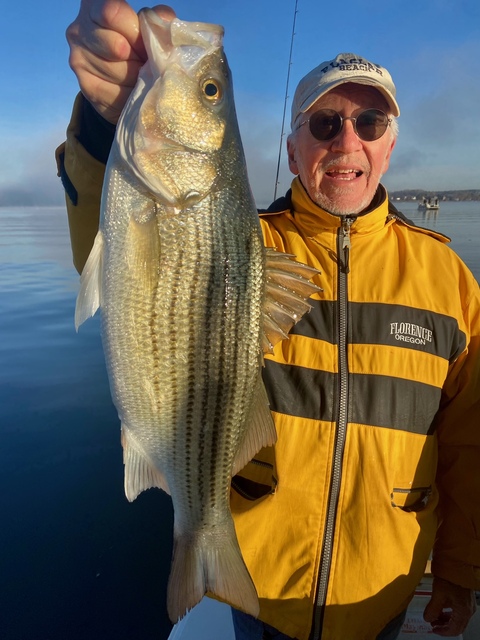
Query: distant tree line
x=418 y=194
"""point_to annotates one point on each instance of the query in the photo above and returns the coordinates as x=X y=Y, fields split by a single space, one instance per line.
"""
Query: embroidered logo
x=353 y=64
x=412 y=333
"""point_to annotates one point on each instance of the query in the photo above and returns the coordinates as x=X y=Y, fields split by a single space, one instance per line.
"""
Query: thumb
x=165 y=12
x=434 y=608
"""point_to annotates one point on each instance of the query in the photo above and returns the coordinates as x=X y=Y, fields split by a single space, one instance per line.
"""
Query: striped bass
x=190 y=301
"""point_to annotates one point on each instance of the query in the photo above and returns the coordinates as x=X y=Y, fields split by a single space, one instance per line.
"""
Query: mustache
x=343 y=162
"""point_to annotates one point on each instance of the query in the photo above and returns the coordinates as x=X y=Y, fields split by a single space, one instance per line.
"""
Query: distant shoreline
x=22 y=199
x=464 y=195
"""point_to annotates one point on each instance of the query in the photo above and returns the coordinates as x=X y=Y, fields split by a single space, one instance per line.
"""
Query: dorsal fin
x=288 y=288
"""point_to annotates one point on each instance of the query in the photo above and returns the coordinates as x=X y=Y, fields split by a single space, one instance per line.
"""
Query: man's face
x=341 y=175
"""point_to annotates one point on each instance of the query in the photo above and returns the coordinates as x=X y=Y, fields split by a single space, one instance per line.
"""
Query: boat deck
x=211 y=620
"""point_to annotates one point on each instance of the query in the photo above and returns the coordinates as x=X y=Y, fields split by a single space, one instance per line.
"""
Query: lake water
x=77 y=561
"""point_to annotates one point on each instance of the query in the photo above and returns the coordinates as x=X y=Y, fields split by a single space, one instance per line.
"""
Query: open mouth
x=344 y=174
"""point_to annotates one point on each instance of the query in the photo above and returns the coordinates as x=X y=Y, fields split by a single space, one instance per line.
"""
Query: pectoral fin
x=288 y=288
x=90 y=295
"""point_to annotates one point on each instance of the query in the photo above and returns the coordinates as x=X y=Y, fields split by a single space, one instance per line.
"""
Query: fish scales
x=211 y=388
x=179 y=270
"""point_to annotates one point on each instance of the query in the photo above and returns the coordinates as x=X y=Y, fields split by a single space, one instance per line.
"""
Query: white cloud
x=28 y=170
x=439 y=142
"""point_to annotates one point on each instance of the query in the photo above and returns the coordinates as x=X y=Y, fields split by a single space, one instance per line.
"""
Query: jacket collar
x=313 y=219
x=297 y=205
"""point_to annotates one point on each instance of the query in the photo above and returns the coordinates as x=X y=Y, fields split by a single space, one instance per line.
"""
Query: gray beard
x=330 y=207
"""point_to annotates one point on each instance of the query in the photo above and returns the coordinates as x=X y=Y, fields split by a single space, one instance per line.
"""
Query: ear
x=292 y=163
x=386 y=162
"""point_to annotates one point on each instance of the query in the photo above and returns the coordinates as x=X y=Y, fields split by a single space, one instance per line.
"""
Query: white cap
x=345 y=67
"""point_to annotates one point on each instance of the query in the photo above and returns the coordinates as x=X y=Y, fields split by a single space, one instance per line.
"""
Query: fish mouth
x=163 y=38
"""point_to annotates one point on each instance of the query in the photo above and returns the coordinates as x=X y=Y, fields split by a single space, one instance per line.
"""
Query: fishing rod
x=282 y=135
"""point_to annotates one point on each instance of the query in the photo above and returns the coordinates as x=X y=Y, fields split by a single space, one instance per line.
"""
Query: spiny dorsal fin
x=288 y=288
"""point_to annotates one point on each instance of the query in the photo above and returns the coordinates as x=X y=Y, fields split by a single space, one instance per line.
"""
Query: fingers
x=118 y=18
x=102 y=42
x=446 y=626
x=107 y=52
x=450 y=624
x=450 y=608
x=106 y=29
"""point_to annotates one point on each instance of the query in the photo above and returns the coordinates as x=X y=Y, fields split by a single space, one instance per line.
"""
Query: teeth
x=348 y=173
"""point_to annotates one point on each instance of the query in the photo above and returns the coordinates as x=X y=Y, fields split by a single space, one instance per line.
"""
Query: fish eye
x=212 y=90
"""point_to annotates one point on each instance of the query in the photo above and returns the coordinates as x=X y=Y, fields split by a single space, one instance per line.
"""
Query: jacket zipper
x=343 y=250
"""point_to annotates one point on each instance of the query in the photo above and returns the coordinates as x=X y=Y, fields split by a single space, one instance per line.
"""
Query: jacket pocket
x=411 y=499
x=258 y=478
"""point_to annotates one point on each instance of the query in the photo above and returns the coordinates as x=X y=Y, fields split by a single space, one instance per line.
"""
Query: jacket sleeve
x=456 y=554
x=82 y=178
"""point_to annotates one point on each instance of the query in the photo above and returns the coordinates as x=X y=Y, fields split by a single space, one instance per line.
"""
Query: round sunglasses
x=369 y=125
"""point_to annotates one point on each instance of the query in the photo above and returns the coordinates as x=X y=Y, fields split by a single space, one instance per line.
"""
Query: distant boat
x=430 y=203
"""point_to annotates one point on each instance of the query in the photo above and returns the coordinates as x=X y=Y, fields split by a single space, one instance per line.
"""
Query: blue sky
x=431 y=48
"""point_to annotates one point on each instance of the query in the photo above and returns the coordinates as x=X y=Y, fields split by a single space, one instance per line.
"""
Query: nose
x=347 y=140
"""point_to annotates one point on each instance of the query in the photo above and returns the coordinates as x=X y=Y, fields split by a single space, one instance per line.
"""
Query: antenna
x=285 y=101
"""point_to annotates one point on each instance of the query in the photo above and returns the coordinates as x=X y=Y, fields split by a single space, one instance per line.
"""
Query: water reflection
x=90 y=565
x=431 y=215
x=460 y=221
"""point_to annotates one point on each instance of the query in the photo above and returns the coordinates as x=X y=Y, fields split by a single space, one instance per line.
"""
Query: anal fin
x=140 y=474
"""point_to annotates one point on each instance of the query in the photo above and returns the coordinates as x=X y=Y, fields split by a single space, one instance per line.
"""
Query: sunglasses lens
x=325 y=124
x=371 y=124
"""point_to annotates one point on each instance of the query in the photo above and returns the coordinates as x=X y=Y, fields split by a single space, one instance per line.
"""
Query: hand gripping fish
x=190 y=300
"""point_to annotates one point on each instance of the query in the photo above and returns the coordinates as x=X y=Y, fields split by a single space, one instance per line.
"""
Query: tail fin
x=209 y=561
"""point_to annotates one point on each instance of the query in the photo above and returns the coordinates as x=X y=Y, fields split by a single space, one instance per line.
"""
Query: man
x=376 y=395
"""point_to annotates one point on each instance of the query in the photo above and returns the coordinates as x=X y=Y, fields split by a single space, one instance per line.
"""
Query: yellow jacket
x=376 y=400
